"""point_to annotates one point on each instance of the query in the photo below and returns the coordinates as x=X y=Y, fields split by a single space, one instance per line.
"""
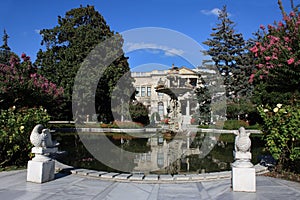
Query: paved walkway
x=13 y=185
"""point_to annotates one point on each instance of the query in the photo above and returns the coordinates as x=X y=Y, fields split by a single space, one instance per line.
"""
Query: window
x=148 y=91
x=138 y=89
x=160 y=94
x=161 y=108
x=143 y=91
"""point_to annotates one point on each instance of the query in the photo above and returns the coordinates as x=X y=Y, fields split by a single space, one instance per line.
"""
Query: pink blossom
x=270 y=26
x=290 y=61
x=286 y=18
x=251 y=78
x=287 y=39
x=267 y=58
x=254 y=49
x=262 y=27
x=261 y=76
x=292 y=14
x=274 y=57
x=260 y=65
x=280 y=24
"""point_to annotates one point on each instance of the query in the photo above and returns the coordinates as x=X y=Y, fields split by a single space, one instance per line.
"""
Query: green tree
x=204 y=101
x=228 y=51
x=5 y=51
x=139 y=113
x=67 y=46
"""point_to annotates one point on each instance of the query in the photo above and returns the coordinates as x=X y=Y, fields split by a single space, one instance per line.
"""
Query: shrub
x=277 y=61
x=235 y=124
x=282 y=134
x=22 y=86
x=139 y=113
x=15 y=129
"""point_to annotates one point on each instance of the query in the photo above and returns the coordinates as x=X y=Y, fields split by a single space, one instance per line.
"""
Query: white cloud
x=214 y=11
x=153 y=48
x=37 y=31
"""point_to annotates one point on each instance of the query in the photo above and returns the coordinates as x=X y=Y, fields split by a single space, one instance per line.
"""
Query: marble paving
x=13 y=186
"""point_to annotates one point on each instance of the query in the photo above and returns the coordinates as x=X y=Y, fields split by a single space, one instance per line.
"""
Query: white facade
x=145 y=83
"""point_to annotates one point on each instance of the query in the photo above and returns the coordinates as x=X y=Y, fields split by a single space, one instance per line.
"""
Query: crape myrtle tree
x=228 y=51
x=66 y=47
x=22 y=87
x=277 y=83
x=277 y=53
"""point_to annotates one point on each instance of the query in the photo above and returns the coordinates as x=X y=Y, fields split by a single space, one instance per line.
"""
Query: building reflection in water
x=166 y=157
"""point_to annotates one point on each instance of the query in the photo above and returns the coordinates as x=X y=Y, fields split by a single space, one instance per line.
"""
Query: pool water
x=155 y=153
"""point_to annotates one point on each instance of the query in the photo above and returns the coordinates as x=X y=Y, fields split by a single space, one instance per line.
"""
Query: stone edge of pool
x=151 y=178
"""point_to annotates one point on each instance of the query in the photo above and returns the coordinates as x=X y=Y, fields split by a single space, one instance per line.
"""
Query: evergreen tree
x=204 y=101
x=5 y=52
x=228 y=52
x=67 y=46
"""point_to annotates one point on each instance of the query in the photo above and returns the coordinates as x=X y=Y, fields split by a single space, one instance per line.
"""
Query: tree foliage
x=228 y=51
x=67 y=46
x=139 y=113
x=22 y=86
x=282 y=134
x=204 y=101
x=276 y=81
x=277 y=59
x=15 y=128
x=5 y=51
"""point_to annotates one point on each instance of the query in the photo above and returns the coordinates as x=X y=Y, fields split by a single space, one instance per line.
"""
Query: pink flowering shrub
x=22 y=86
x=277 y=56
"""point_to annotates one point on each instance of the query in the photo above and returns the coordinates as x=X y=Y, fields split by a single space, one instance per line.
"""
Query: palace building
x=181 y=81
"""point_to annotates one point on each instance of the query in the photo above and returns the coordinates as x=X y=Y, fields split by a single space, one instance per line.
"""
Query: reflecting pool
x=156 y=153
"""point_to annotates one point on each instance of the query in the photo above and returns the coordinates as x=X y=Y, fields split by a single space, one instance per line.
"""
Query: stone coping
x=146 y=130
x=152 y=178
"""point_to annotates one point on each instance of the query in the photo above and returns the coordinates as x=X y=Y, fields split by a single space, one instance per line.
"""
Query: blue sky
x=191 y=18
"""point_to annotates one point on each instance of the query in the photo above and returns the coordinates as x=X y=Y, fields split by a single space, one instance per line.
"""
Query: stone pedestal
x=242 y=159
x=243 y=179
x=41 y=168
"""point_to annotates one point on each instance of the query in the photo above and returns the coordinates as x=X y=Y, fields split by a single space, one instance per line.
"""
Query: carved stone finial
x=242 y=146
x=41 y=137
x=242 y=141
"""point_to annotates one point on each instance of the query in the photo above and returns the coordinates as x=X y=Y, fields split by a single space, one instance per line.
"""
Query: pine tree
x=5 y=52
x=228 y=52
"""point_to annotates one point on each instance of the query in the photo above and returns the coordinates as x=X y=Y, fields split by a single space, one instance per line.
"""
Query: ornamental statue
x=242 y=140
x=41 y=137
x=242 y=154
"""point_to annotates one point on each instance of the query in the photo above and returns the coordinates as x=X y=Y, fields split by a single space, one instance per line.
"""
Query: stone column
x=187 y=107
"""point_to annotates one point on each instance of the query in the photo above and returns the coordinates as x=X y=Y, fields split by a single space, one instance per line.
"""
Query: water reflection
x=166 y=155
